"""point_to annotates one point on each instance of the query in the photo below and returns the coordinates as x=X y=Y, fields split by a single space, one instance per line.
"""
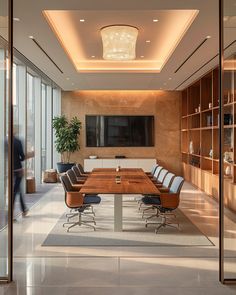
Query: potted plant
x=66 y=133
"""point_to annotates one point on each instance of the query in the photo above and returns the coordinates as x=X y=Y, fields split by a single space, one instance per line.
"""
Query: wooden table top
x=132 y=181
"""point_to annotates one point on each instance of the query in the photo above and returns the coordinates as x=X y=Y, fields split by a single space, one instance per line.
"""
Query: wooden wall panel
x=164 y=105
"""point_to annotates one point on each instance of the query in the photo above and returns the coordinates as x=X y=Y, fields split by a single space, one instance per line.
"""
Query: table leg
x=117 y=212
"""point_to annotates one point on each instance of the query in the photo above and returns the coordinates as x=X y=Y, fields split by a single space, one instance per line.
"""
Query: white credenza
x=145 y=164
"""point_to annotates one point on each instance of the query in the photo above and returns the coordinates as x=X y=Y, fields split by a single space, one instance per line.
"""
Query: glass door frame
x=222 y=273
x=9 y=124
x=10 y=142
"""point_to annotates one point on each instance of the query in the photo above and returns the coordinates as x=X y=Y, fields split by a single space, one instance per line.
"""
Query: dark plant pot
x=63 y=167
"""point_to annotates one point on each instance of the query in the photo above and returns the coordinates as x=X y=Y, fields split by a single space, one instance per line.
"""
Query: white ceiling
x=86 y=53
x=33 y=23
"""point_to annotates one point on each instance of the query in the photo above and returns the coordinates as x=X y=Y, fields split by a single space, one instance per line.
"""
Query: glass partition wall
x=5 y=141
x=228 y=142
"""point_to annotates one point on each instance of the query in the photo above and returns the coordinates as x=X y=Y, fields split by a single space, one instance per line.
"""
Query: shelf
x=229 y=126
x=194 y=166
x=229 y=104
x=194 y=114
x=207 y=110
x=207 y=158
x=229 y=163
x=207 y=170
x=195 y=155
x=225 y=176
x=202 y=129
x=206 y=128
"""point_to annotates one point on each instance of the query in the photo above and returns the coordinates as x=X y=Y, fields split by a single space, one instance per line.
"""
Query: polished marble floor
x=119 y=270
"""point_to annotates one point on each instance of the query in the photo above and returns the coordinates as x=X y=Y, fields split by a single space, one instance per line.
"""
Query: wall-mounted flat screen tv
x=118 y=131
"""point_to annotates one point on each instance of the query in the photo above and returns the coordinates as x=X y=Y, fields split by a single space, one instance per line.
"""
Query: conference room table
x=118 y=183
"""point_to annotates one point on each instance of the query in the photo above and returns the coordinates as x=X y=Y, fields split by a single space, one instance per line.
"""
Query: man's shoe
x=25 y=213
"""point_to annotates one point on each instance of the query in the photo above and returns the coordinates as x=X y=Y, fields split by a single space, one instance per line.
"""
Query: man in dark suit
x=18 y=157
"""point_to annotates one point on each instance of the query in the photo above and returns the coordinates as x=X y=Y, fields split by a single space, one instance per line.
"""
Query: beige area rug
x=134 y=231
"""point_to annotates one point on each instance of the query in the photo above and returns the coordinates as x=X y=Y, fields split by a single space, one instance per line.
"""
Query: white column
x=38 y=126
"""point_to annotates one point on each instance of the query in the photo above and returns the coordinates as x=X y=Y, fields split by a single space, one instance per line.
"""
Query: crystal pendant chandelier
x=119 y=42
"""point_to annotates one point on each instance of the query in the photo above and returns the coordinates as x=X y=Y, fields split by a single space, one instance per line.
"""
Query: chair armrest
x=77 y=187
x=164 y=189
x=80 y=180
x=84 y=175
x=74 y=199
x=169 y=200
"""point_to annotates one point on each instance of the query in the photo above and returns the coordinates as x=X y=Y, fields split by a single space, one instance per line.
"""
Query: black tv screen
x=117 y=131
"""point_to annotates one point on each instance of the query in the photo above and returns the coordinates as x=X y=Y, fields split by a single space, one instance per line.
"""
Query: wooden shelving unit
x=200 y=126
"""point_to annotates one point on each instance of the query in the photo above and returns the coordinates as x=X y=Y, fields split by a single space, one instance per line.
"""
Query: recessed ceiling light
x=155 y=20
x=170 y=78
x=16 y=19
x=31 y=37
x=142 y=56
x=67 y=78
x=148 y=41
x=208 y=37
x=92 y=56
x=82 y=20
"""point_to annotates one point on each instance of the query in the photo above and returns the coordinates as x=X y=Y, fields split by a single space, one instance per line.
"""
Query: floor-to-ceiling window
x=30 y=139
x=43 y=128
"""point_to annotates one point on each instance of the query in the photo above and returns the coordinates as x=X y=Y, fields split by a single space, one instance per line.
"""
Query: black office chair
x=73 y=201
x=80 y=178
x=151 y=173
x=77 y=185
x=148 y=200
x=81 y=169
x=78 y=202
x=166 y=204
x=73 y=179
x=156 y=174
x=161 y=177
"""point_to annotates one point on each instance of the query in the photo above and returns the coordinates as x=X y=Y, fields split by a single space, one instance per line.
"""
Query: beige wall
x=164 y=105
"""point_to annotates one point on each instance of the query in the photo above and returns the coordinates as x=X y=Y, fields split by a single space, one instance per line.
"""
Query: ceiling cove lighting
x=119 y=42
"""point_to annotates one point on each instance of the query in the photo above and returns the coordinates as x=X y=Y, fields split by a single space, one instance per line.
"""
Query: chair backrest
x=72 y=177
x=76 y=171
x=154 y=169
x=168 y=179
x=162 y=175
x=66 y=183
x=176 y=185
x=80 y=167
x=71 y=200
x=158 y=170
